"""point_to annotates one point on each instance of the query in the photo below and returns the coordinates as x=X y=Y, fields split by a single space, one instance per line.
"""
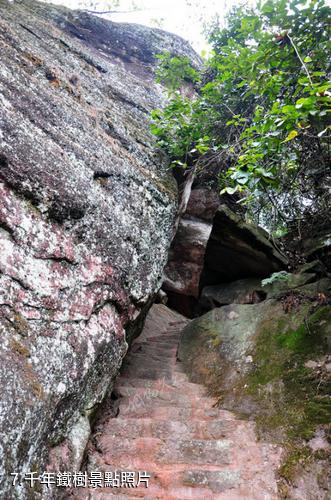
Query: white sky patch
x=183 y=17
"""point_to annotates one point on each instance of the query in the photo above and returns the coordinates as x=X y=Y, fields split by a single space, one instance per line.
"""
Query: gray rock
x=322 y=286
x=238 y=250
x=309 y=281
x=249 y=291
x=217 y=344
x=203 y=204
x=294 y=281
x=209 y=249
x=319 y=247
x=186 y=257
x=86 y=218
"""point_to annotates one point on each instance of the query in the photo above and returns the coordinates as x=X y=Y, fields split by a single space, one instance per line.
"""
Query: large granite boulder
x=187 y=252
x=86 y=218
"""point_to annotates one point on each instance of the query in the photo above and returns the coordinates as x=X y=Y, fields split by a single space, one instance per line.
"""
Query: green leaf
x=292 y=135
x=305 y=102
x=229 y=190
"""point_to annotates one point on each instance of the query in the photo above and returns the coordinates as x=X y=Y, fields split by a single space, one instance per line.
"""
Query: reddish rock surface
x=187 y=252
x=203 y=204
x=170 y=428
x=214 y=245
x=87 y=213
x=186 y=257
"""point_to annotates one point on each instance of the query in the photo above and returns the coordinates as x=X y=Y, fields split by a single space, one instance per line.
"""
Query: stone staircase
x=162 y=424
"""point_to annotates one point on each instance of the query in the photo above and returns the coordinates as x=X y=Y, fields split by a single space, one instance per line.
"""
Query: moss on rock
x=285 y=387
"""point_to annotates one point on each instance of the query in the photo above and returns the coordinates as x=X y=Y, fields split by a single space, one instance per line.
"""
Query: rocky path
x=170 y=429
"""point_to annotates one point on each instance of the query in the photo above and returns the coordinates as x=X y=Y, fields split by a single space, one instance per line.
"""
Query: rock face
x=238 y=250
x=271 y=362
x=247 y=291
x=86 y=218
x=187 y=252
x=212 y=246
x=186 y=257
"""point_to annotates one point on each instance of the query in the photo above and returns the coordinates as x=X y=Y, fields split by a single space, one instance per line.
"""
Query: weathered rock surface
x=249 y=291
x=187 y=252
x=86 y=217
x=203 y=204
x=213 y=245
x=270 y=362
x=170 y=428
x=216 y=348
x=310 y=281
x=186 y=257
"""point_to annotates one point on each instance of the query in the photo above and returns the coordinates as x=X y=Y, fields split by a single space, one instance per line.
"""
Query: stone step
x=142 y=382
x=170 y=451
x=164 y=342
x=217 y=481
x=145 y=347
x=194 y=481
x=149 y=405
x=162 y=352
x=195 y=451
x=173 y=413
x=99 y=494
x=163 y=395
x=162 y=429
x=171 y=334
x=146 y=364
x=153 y=493
x=151 y=359
x=150 y=373
x=145 y=383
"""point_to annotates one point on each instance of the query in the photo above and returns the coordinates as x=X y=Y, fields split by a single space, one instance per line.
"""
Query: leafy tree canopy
x=260 y=112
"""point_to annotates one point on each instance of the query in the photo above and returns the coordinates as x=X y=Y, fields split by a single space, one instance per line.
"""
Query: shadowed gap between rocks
x=215 y=246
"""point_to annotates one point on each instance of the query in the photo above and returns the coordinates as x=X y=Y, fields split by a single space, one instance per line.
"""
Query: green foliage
x=262 y=110
x=173 y=71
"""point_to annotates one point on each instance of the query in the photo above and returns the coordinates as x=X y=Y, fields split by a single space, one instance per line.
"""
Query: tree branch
x=299 y=57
